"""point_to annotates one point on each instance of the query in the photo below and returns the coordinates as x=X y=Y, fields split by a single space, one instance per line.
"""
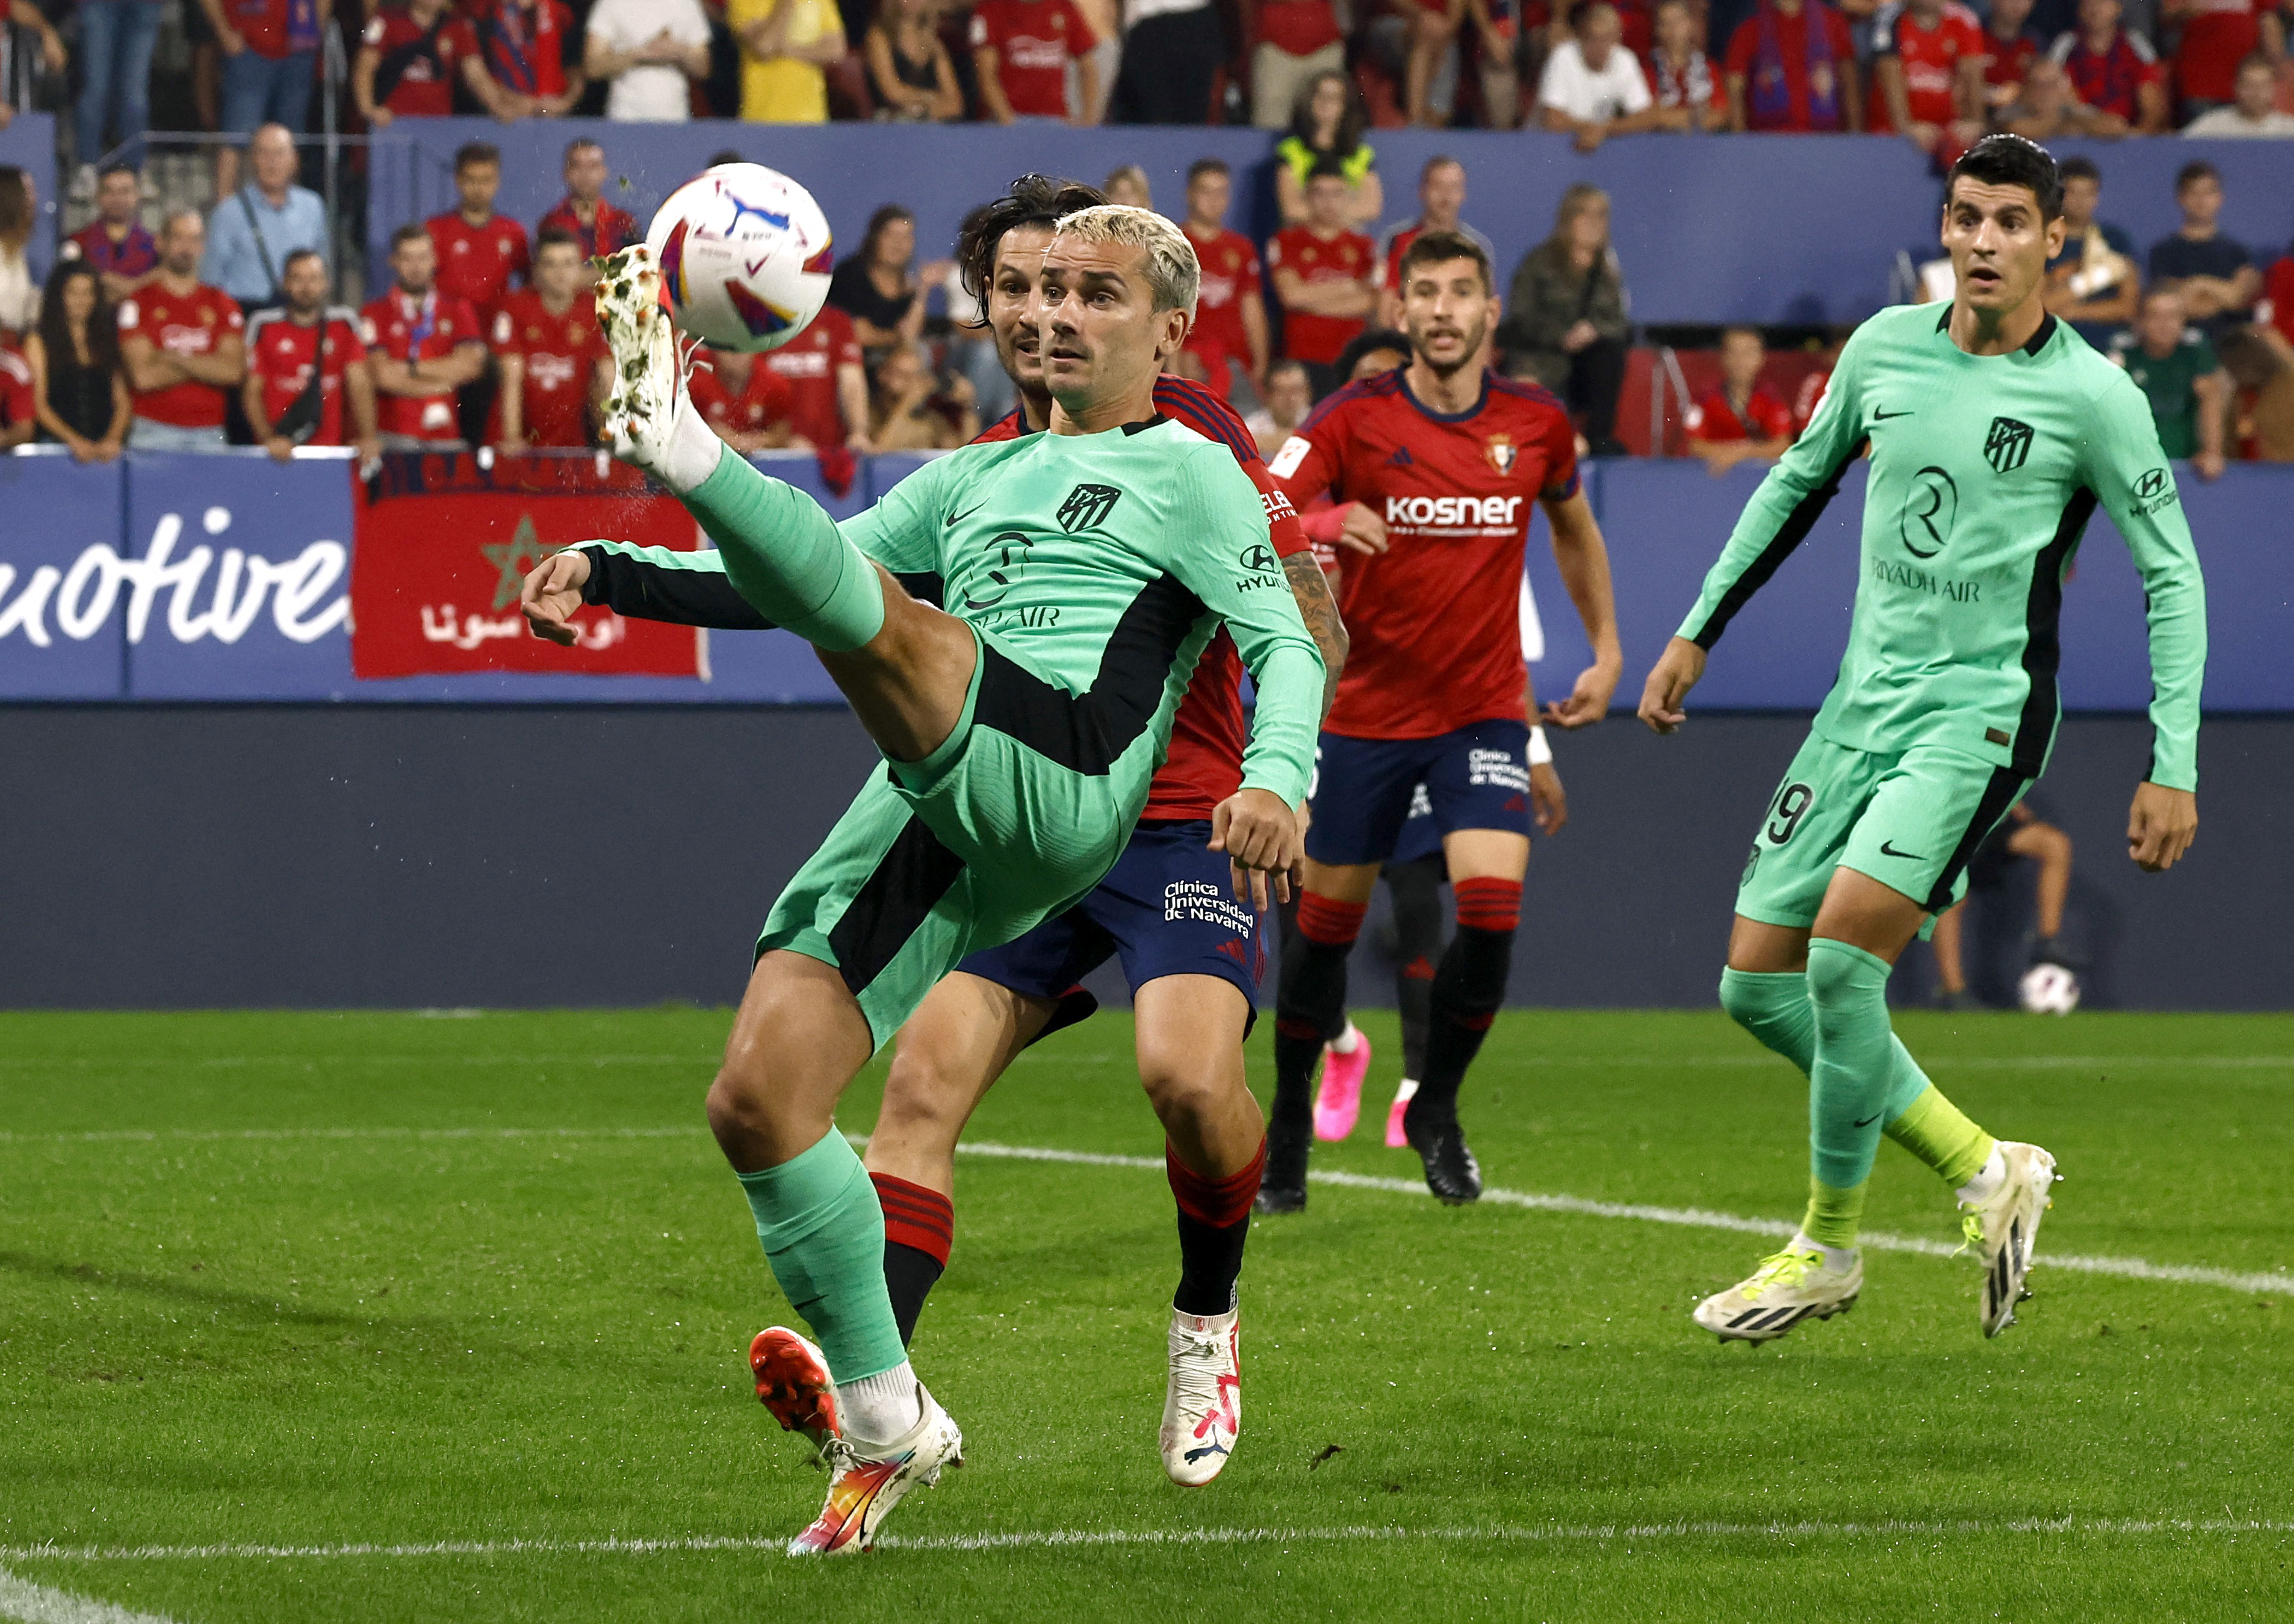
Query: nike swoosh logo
x=1868 y=1121
x=1882 y=416
x=1886 y=850
x=953 y=519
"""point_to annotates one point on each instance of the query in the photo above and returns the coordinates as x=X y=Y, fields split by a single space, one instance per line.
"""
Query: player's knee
x=739 y=1097
x=1745 y=1006
x=1180 y=1094
x=1836 y=979
x=921 y=1097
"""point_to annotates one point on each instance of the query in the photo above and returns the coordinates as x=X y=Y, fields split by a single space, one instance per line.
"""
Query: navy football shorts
x=1418 y=836
x=1476 y=777
x=1166 y=908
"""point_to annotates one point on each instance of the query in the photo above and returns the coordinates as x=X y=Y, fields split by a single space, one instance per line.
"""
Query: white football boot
x=867 y=1480
x=650 y=422
x=1202 y=1406
x=2003 y=1228
x=1788 y=1286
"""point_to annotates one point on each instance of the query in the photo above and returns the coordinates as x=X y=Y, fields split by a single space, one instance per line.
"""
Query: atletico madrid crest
x=1500 y=451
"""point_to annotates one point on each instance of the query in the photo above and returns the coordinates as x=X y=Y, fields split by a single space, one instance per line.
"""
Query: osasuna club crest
x=1501 y=451
x=2008 y=445
x=1087 y=506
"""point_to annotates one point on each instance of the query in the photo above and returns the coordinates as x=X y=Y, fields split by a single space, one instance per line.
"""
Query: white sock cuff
x=1987 y=1178
x=878 y=1409
x=694 y=449
x=1347 y=1041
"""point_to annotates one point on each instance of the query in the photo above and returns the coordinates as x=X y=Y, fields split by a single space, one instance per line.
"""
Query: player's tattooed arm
x=1309 y=586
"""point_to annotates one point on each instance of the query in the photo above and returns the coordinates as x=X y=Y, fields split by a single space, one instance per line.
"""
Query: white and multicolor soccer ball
x=744 y=251
x=2048 y=989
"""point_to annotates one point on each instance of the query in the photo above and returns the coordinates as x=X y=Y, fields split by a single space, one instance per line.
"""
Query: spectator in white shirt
x=1593 y=87
x=649 y=50
x=2254 y=113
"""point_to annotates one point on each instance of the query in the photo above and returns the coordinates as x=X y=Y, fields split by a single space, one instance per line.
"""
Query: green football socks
x=823 y=1230
x=786 y=557
x=1848 y=1084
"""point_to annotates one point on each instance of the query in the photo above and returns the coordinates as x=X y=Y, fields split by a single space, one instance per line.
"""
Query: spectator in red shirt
x=552 y=355
x=181 y=343
x=2217 y=35
x=1687 y=86
x=1740 y=421
x=20 y=413
x=595 y=224
x=1021 y=50
x=1324 y=277
x=270 y=58
x=2275 y=309
x=411 y=58
x=1297 y=40
x=2049 y=108
x=1929 y=75
x=424 y=345
x=2113 y=71
x=532 y=54
x=481 y=253
x=823 y=369
x=2010 y=46
x=1229 y=314
x=115 y=241
x=1792 y=67
x=305 y=359
x=751 y=406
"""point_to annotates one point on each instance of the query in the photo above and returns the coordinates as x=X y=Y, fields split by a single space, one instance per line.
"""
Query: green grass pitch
x=472 y=1296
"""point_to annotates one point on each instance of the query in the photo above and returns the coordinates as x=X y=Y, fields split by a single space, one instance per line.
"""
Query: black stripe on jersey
x=644 y=590
x=1086 y=733
x=1789 y=535
x=1999 y=794
x=2043 y=650
x=908 y=883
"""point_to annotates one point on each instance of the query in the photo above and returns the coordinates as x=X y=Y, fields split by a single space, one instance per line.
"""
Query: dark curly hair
x=2011 y=160
x=1033 y=199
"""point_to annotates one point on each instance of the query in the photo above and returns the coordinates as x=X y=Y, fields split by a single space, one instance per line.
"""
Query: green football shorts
x=1910 y=819
x=965 y=850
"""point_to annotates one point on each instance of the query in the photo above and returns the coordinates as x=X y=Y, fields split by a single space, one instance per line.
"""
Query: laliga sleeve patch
x=1287 y=460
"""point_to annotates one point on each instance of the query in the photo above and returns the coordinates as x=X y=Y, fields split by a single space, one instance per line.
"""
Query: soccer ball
x=744 y=257
x=2048 y=989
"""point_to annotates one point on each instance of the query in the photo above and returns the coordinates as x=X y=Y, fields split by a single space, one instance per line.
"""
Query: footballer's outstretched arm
x=654 y=583
x=1582 y=558
x=1320 y=610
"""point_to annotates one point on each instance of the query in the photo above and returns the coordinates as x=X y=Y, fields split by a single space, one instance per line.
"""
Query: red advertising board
x=443 y=544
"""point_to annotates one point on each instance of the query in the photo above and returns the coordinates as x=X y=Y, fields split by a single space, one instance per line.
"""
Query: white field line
x=30 y=1603
x=1069 y=1537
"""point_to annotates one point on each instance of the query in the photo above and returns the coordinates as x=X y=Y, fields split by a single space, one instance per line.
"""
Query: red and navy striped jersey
x=1207 y=734
x=1434 y=621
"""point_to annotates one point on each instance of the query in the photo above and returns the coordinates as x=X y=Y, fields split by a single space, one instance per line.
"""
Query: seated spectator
x=423 y=346
x=1324 y=277
x=1440 y=197
x=879 y=285
x=1285 y=401
x=254 y=229
x=2215 y=274
x=532 y=54
x=2049 y=108
x=1565 y=323
x=2011 y=46
x=1370 y=351
x=20 y=412
x=583 y=213
x=1172 y=53
x=2253 y=112
x=305 y=362
x=1684 y=82
x=828 y=383
x=80 y=396
x=1792 y=67
x=2173 y=365
x=745 y=402
x=555 y=367
x=19 y=210
x=2275 y=308
x=56 y=59
x=1230 y=326
x=410 y=60
x=2113 y=71
x=1928 y=76
x=1592 y=87
x=481 y=253
x=908 y=64
x=2020 y=835
x=2260 y=363
x=2095 y=281
x=1326 y=121
x=115 y=241
x=1298 y=40
x=183 y=346
x=270 y=63
x=1021 y=50
x=787 y=48
x=651 y=53
x=1739 y=421
x=1128 y=186
x=911 y=411
x=2217 y=36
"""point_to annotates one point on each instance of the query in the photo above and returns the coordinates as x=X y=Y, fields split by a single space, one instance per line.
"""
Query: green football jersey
x=1985 y=471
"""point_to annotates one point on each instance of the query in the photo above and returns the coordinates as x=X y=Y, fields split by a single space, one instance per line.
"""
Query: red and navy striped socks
x=919 y=1230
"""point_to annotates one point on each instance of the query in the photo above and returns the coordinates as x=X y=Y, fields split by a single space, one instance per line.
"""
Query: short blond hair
x=1174 y=277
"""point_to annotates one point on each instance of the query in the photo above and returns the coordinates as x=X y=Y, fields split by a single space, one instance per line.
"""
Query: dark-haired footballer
x=1995 y=432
